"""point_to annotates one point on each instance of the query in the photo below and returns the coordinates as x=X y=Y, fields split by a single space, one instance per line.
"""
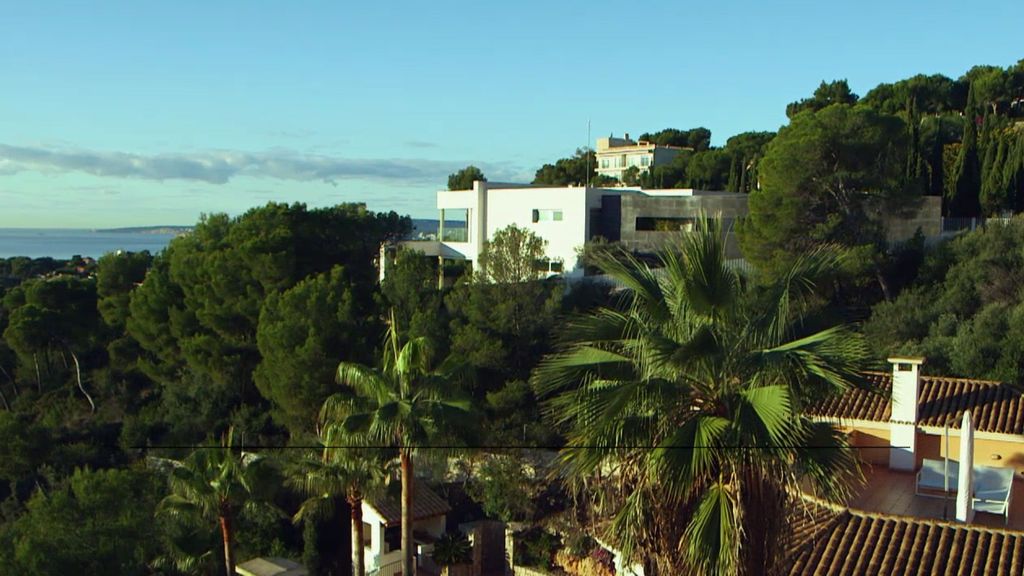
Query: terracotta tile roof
x=857 y=404
x=840 y=543
x=995 y=407
x=425 y=504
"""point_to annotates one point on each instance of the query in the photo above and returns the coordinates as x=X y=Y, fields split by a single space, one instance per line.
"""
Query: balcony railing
x=455 y=234
x=389 y=569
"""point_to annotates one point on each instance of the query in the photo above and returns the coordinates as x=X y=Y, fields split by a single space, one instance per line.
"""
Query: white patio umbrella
x=965 y=483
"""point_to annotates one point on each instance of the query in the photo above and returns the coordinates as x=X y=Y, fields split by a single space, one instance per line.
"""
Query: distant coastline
x=64 y=243
x=175 y=230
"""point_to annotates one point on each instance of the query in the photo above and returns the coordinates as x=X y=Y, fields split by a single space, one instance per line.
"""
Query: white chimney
x=906 y=384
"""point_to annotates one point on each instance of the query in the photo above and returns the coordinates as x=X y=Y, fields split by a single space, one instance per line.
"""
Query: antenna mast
x=586 y=149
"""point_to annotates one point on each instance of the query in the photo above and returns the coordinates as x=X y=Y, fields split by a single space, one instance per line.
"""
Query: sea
x=63 y=243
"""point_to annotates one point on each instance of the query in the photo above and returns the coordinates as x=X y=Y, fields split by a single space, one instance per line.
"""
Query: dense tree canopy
x=572 y=171
x=732 y=167
x=817 y=179
x=197 y=313
x=463 y=179
x=302 y=334
x=96 y=523
x=696 y=138
x=827 y=94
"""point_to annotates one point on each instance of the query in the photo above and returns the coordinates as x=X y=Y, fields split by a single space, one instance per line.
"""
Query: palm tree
x=452 y=549
x=404 y=405
x=213 y=485
x=689 y=395
x=340 y=471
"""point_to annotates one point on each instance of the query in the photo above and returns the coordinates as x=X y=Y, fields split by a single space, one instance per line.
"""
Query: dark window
x=646 y=224
x=536 y=216
x=367 y=535
x=392 y=538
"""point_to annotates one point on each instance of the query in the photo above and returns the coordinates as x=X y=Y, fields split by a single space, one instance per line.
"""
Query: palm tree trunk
x=358 y=554
x=229 y=550
x=407 y=543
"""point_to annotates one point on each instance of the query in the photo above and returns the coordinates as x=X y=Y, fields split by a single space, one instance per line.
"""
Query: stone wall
x=924 y=215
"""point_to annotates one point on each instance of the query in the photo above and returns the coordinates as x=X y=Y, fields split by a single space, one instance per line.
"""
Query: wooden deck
x=890 y=492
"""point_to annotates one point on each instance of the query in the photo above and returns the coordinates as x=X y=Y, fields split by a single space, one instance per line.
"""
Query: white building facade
x=566 y=218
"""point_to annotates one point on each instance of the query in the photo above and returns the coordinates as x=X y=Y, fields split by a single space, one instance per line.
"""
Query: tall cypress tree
x=915 y=173
x=965 y=201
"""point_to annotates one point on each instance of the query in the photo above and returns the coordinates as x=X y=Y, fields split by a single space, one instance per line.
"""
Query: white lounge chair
x=933 y=479
x=992 y=488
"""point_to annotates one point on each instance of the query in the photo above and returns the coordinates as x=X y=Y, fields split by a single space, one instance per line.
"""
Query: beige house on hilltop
x=616 y=155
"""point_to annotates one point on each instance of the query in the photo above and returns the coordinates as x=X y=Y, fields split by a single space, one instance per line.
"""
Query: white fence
x=954 y=225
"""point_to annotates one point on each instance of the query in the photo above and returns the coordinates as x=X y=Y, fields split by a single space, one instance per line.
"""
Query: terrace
x=892 y=492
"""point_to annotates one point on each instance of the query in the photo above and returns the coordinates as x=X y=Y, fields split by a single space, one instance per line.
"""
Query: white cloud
x=220 y=166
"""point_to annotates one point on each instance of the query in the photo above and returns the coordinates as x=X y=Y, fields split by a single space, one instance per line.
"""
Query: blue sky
x=145 y=113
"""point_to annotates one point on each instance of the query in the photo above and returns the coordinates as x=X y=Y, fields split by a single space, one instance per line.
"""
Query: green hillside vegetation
x=965 y=310
x=110 y=372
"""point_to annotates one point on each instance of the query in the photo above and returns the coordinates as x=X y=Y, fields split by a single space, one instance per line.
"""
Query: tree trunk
x=358 y=553
x=4 y=398
x=78 y=376
x=39 y=380
x=13 y=383
x=407 y=544
x=884 y=285
x=228 y=537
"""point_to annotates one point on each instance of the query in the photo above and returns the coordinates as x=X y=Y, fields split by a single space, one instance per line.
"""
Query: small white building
x=382 y=522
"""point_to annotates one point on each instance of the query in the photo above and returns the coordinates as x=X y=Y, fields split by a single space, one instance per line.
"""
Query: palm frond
x=713 y=535
x=365 y=382
x=637 y=277
x=765 y=414
x=688 y=454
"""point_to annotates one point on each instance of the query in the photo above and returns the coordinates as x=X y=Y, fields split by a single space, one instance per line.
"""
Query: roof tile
x=995 y=407
x=846 y=542
x=425 y=504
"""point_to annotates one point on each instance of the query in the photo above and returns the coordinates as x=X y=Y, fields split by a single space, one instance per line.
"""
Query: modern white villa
x=570 y=216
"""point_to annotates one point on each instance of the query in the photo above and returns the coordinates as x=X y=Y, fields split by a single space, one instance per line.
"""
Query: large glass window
x=455 y=225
